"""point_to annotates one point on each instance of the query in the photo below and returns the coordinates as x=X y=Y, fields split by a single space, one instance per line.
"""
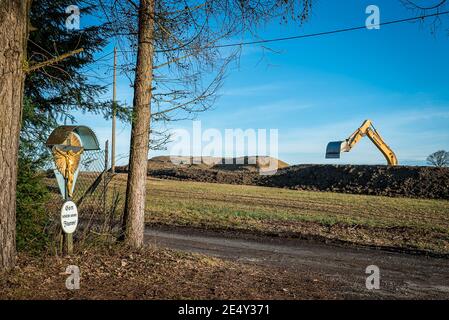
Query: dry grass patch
x=151 y=273
x=417 y=224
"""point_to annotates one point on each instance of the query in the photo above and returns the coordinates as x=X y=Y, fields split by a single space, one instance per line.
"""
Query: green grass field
x=369 y=220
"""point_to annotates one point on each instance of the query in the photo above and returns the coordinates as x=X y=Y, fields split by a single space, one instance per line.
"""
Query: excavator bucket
x=334 y=149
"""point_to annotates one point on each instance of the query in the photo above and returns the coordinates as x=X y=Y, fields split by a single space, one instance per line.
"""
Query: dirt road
x=401 y=275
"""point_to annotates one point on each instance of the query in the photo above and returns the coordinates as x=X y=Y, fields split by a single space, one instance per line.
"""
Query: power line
x=329 y=32
x=103 y=57
x=310 y=35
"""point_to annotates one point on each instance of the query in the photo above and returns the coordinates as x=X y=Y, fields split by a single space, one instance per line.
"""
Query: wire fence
x=98 y=201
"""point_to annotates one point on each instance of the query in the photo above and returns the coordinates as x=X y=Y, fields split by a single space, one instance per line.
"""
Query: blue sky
x=320 y=89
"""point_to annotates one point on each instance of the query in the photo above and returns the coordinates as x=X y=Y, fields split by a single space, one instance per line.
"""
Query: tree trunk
x=13 y=31
x=134 y=215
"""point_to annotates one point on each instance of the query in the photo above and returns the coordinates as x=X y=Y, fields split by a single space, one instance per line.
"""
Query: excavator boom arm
x=358 y=134
x=366 y=129
x=382 y=146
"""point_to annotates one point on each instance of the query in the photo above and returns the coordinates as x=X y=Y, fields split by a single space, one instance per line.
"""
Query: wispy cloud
x=264 y=89
x=253 y=114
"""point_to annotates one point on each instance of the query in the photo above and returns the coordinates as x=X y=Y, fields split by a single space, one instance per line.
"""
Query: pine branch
x=52 y=61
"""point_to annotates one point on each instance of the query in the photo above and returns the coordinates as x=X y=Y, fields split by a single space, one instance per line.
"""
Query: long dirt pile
x=206 y=175
x=418 y=182
x=405 y=181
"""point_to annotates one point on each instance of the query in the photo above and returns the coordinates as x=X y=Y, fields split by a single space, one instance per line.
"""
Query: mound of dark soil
x=405 y=181
x=419 y=182
x=206 y=175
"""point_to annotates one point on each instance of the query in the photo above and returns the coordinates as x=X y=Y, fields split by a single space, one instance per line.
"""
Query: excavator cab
x=334 y=148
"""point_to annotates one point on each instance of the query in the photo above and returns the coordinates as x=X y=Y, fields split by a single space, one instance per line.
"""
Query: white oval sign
x=69 y=217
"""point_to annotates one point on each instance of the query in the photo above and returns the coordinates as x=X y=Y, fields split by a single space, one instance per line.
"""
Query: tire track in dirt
x=402 y=275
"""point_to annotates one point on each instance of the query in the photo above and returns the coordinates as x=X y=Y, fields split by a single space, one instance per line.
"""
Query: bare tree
x=439 y=159
x=182 y=57
x=438 y=4
x=13 y=35
x=432 y=7
x=135 y=190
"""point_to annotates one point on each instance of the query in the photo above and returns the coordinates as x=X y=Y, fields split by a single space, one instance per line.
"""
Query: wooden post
x=114 y=111
x=67 y=237
x=106 y=155
x=69 y=240
x=106 y=166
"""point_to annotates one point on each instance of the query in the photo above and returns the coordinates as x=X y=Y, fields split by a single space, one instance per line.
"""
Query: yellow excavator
x=366 y=129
